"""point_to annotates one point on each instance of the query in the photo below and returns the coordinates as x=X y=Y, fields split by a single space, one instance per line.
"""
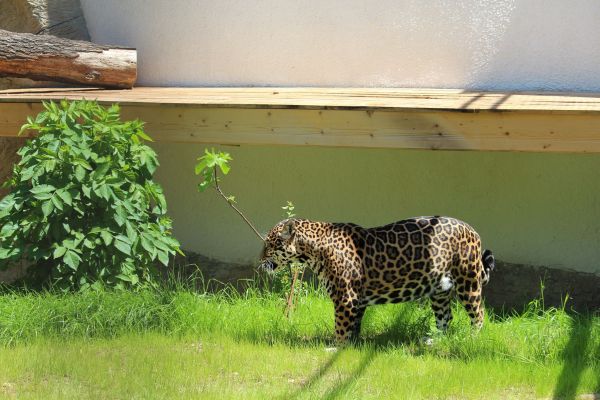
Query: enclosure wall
x=482 y=44
x=535 y=209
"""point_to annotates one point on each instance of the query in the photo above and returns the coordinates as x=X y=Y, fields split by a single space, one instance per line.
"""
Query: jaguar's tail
x=489 y=263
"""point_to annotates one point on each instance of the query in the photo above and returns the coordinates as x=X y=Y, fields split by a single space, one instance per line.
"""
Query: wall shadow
x=338 y=389
x=573 y=360
x=597 y=387
x=401 y=331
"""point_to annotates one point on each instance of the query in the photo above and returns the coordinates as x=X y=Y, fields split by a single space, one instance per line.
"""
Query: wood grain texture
x=45 y=57
x=381 y=118
x=326 y=98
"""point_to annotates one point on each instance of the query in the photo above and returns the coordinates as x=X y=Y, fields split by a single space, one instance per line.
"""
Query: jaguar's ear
x=288 y=230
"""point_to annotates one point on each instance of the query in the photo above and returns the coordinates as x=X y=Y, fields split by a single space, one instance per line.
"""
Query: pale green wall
x=538 y=209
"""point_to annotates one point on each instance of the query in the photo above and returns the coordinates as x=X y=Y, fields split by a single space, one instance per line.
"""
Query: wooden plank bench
x=352 y=117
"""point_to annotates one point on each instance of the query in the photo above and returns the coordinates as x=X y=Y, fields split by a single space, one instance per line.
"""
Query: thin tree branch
x=290 y=298
x=218 y=188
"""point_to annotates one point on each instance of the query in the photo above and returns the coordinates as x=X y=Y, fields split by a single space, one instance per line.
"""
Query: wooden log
x=45 y=57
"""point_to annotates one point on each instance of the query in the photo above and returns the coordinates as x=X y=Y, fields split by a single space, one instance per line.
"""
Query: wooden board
x=324 y=98
x=384 y=118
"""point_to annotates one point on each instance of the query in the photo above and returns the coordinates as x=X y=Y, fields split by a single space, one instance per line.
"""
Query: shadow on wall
x=512 y=286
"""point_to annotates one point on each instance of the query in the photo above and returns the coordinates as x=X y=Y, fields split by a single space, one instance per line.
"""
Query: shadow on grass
x=574 y=360
x=597 y=388
x=395 y=335
x=338 y=390
x=315 y=377
x=410 y=325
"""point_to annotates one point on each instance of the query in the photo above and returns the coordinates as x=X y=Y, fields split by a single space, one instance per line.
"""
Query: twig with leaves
x=207 y=167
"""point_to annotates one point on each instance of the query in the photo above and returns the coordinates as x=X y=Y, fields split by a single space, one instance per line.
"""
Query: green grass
x=180 y=344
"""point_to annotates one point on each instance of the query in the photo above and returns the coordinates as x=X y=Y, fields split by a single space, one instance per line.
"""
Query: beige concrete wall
x=475 y=44
x=537 y=209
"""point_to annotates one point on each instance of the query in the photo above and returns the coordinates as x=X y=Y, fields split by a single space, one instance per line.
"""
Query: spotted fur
x=435 y=257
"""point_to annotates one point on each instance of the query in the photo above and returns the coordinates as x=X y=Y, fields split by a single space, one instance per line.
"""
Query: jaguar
x=436 y=257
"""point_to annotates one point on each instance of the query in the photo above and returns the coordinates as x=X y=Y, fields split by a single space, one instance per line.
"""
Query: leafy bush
x=83 y=207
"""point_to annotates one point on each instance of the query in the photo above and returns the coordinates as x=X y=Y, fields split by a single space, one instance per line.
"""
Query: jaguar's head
x=280 y=247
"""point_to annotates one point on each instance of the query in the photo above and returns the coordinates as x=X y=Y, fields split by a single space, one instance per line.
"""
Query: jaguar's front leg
x=357 y=323
x=348 y=317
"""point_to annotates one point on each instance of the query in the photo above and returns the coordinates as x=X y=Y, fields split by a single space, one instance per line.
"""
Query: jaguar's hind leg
x=440 y=303
x=469 y=294
x=348 y=318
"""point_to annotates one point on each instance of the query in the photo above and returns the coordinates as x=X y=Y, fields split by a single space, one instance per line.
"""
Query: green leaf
x=120 y=216
x=158 y=242
x=27 y=174
x=101 y=170
x=47 y=208
x=9 y=253
x=107 y=237
x=123 y=277
x=143 y=135
x=87 y=192
x=49 y=165
x=201 y=166
x=59 y=252
x=119 y=219
x=123 y=246
x=123 y=238
x=71 y=259
x=43 y=189
x=65 y=196
x=151 y=164
x=42 y=196
x=163 y=257
x=146 y=243
x=202 y=186
x=131 y=233
x=57 y=202
x=103 y=191
x=8 y=229
x=7 y=202
x=79 y=173
x=223 y=166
